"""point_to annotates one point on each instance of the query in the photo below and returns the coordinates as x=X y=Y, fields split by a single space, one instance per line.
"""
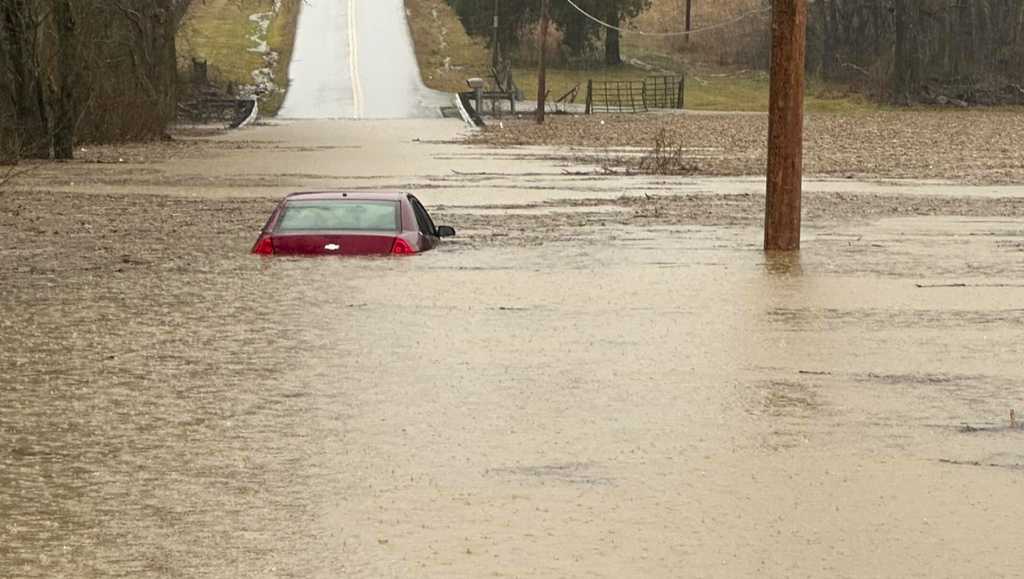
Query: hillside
x=247 y=43
x=447 y=55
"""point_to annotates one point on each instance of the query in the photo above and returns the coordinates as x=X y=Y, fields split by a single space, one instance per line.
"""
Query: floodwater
x=609 y=397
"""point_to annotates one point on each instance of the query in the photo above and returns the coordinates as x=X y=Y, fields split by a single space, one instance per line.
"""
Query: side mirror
x=445 y=231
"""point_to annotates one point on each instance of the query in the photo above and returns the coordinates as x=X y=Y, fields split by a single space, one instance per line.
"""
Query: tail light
x=401 y=247
x=264 y=246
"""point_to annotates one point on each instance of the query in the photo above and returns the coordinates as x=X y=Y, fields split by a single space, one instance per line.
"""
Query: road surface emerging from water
x=354 y=59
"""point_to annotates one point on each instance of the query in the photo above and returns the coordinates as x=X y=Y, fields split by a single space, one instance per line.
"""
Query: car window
x=327 y=215
x=422 y=217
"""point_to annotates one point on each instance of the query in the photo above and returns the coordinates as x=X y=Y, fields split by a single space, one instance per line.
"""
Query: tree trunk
x=689 y=18
x=8 y=134
x=495 y=46
x=612 y=54
x=905 y=57
x=832 y=31
x=575 y=34
x=28 y=117
x=63 y=134
x=165 y=49
x=542 y=89
x=983 y=32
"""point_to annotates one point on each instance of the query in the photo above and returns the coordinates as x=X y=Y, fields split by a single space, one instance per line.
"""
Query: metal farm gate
x=635 y=96
x=664 y=92
x=615 y=96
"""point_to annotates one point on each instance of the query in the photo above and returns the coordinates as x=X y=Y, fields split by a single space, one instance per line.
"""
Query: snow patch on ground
x=262 y=22
x=263 y=79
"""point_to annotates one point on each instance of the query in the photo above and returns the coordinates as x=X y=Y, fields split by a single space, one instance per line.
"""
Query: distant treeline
x=85 y=71
x=908 y=51
x=921 y=50
x=902 y=51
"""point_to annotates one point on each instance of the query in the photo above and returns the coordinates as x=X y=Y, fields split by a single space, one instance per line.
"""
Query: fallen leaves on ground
x=966 y=146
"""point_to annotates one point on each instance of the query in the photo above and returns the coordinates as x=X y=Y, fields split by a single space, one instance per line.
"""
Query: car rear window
x=319 y=215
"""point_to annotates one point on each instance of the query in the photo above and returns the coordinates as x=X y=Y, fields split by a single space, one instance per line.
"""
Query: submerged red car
x=336 y=223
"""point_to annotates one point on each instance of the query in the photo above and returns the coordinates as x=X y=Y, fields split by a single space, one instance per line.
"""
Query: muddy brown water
x=619 y=393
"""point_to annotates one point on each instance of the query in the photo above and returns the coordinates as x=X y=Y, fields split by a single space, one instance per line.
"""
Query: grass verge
x=281 y=39
x=705 y=91
x=220 y=32
x=446 y=54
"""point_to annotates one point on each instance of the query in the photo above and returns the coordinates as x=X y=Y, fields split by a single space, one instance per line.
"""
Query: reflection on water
x=237 y=417
x=783 y=263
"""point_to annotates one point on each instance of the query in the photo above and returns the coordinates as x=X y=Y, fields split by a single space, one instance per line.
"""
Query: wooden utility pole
x=689 y=20
x=495 y=57
x=542 y=89
x=785 y=126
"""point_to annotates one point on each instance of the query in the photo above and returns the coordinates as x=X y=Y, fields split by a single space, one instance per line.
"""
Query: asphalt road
x=355 y=60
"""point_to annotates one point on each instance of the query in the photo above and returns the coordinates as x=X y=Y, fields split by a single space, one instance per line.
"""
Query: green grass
x=707 y=91
x=446 y=54
x=219 y=30
x=281 y=38
x=562 y=80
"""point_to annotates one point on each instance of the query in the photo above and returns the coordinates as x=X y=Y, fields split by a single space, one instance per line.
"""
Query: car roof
x=347 y=195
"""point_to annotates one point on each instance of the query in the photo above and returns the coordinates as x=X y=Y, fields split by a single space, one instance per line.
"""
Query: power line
x=741 y=17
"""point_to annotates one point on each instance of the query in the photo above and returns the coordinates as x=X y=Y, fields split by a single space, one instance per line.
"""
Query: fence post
x=200 y=74
x=590 y=97
x=681 y=99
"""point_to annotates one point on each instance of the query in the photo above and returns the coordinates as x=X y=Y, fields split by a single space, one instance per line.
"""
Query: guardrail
x=234 y=112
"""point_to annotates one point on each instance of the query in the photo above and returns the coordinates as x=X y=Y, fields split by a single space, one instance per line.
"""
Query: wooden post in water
x=785 y=126
x=542 y=89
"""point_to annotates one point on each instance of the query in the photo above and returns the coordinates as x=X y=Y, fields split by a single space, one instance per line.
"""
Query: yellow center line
x=353 y=45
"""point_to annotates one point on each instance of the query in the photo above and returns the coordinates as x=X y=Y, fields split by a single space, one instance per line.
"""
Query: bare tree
x=85 y=70
x=916 y=49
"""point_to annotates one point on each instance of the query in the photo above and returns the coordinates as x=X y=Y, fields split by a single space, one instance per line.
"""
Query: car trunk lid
x=333 y=243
